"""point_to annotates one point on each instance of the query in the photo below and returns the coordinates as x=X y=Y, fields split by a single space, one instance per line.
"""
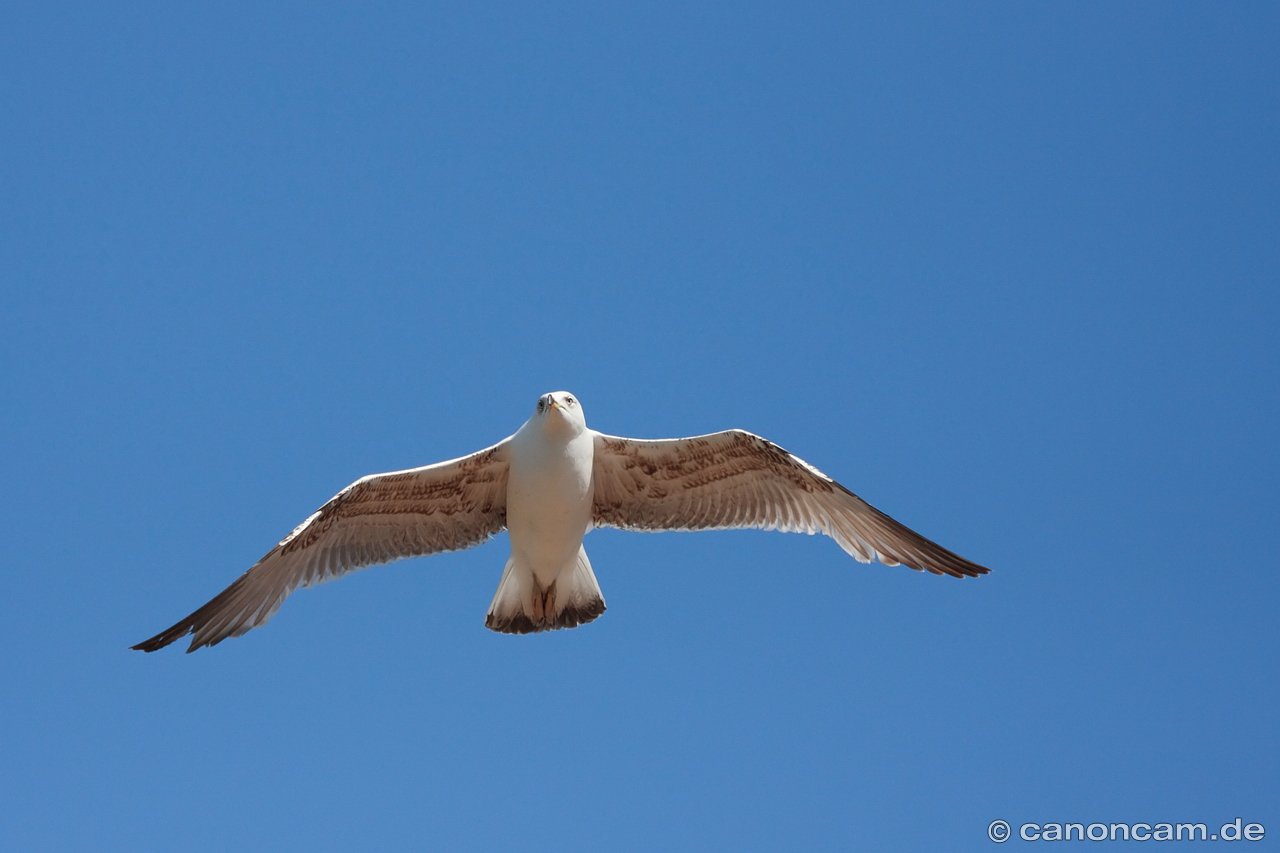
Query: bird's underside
x=725 y=480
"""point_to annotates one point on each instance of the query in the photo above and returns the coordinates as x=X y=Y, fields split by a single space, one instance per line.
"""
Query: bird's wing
x=734 y=479
x=378 y=519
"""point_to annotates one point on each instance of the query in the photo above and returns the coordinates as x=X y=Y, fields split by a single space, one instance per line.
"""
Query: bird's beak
x=553 y=404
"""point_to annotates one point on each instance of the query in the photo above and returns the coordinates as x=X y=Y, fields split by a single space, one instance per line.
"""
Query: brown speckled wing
x=734 y=479
x=377 y=519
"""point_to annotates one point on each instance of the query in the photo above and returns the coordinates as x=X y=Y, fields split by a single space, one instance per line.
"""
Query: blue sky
x=1007 y=272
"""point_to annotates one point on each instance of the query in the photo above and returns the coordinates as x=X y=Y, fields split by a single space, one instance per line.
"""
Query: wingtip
x=164 y=638
x=148 y=646
x=951 y=568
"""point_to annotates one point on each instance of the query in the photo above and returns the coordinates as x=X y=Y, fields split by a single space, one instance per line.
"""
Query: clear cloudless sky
x=1009 y=271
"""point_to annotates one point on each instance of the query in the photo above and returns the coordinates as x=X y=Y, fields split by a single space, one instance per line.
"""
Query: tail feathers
x=522 y=606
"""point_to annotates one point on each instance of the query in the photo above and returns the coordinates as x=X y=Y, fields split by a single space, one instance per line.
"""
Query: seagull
x=548 y=486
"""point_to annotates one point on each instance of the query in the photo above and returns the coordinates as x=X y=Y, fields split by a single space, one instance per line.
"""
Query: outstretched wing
x=734 y=479
x=378 y=519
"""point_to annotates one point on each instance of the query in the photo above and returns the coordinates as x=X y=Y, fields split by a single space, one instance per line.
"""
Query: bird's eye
x=569 y=400
x=541 y=403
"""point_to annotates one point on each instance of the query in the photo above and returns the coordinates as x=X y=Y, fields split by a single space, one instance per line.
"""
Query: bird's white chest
x=549 y=499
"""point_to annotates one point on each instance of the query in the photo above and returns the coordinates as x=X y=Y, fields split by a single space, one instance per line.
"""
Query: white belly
x=548 y=501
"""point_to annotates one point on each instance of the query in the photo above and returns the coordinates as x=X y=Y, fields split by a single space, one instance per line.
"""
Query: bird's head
x=561 y=410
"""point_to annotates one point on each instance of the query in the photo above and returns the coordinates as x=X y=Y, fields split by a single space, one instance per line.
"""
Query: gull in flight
x=548 y=485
